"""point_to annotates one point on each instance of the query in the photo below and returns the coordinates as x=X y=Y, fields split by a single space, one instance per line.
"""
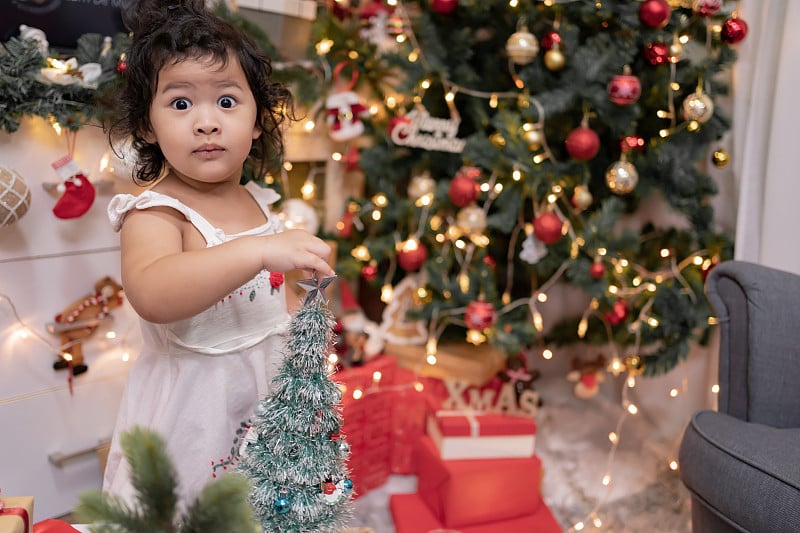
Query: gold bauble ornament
x=15 y=197
x=622 y=177
x=534 y=137
x=634 y=365
x=554 y=59
x=522 y=46
x=471 y=219
x=581 y=197
x=720 y=158
x=420 y=186
x=698 y=106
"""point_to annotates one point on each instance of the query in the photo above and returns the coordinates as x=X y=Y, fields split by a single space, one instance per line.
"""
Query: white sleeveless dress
x=197 y=379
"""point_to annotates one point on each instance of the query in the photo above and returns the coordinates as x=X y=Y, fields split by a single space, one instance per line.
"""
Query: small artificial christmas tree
x=221 y=506
x=293 y=452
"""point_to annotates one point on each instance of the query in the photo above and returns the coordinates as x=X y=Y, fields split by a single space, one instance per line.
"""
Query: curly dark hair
x=165 y=32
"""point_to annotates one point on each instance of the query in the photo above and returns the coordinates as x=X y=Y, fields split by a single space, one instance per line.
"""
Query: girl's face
x=203 y=118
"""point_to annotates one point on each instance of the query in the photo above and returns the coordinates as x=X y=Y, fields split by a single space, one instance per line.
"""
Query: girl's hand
x=296 y=249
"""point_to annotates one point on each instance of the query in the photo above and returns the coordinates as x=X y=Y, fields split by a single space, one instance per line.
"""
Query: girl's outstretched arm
x=165 y=283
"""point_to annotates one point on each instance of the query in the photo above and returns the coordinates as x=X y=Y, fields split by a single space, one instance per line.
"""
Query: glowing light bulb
x=583 y=326
x=387 y=293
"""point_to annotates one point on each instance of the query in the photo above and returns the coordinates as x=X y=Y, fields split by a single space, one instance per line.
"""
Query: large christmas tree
x=515 y=146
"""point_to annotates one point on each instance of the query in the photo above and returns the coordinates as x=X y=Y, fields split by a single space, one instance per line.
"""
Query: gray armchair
x=741 y=463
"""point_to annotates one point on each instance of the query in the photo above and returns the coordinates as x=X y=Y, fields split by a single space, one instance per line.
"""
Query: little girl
x=202 y=256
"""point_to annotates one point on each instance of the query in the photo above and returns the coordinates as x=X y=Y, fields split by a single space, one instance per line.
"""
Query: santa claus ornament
x=344 y=108
x=77 y=192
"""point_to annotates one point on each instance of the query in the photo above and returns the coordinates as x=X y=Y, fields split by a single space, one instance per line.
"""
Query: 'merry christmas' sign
x=421 y=130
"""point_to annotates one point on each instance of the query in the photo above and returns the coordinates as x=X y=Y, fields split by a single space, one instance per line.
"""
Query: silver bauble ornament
x=698 y=106
x=471 y=219
x=622 y=177
x=522 y=46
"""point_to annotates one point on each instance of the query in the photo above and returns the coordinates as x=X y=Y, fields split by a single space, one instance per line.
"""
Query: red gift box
x=465 y=435
x=411 y=515
x=472 y=491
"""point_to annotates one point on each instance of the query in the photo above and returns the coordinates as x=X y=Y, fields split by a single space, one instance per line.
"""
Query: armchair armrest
x=758 y=309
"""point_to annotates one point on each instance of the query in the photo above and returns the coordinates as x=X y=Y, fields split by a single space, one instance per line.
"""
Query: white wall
x=45 y=264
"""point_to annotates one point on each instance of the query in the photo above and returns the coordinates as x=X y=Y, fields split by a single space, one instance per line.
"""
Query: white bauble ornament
x=471 y=219
x=15 y=197
x=522 y=46
x=622 y=177
x=298 y=214
x=698 y=106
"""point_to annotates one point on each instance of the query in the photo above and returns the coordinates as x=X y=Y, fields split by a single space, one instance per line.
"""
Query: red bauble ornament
x=656 y=53
x=597 y=270
x=733 y=31
x=655 y=13
x=480 y=315
x=374 y=8
x=583 y=143
x=624 y=89
x=618 y=313
x=369 y=272
x=412 y=255
x=549 y=39
x=631 y=142
x=122 y=66
x=547 y=227
x=464 y=188
x=444 y=7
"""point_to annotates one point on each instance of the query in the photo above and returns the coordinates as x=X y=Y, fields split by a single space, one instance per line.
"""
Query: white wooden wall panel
x=45 y=264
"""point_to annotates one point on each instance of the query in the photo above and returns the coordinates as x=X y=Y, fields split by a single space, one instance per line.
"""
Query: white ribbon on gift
x=474 y=425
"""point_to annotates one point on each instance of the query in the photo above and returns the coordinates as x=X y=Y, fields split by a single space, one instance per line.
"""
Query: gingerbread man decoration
x=80 y=319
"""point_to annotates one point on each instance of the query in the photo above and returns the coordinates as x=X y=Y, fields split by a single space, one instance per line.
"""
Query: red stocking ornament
x=77 y=191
